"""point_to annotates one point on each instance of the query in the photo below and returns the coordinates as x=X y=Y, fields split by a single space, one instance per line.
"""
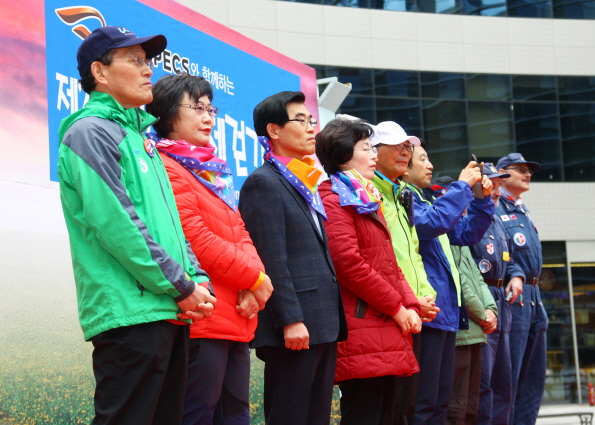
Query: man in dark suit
x=299 y=328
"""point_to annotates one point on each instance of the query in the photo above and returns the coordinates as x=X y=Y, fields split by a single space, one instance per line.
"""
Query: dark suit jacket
x=296 y=257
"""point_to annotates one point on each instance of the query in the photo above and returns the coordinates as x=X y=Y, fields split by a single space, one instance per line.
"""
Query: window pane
x=538 y=137
x=571 y=9
x=484 y=7
x=490 y=130
x=577 y=121
x=361 y=79
x=405 y=112
x=445 y=130
x=576 y=88
x=400 y=5
x=396 y=83
x=553 y=284
x=488 y=87
x=583 y=284
x=442 y=85
x=530 y=8
x=359 y=106
x=527 y=87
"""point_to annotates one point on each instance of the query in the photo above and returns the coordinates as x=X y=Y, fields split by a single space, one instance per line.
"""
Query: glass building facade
x=549 y=119
x=566 y=9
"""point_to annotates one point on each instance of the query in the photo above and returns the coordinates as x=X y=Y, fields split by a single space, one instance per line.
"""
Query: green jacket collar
x=103 y=105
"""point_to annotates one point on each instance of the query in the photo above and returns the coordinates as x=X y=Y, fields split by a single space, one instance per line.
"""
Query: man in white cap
x=394 y=153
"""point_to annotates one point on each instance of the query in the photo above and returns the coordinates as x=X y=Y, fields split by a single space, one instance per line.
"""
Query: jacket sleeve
x=90 y=165
x=470 y=229
x=469 y=283
x=425 y=288
x=433 y=220
x=261 y=207
x=226 y=263
x=352 y=269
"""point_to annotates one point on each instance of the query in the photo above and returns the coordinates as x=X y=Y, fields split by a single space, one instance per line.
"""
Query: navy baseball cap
x=439 y=186
x=517 y=158
x=492 y=172
x=104 y=39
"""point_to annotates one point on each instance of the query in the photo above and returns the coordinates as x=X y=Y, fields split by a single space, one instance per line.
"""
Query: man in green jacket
x=137 y=281
x=394 y=152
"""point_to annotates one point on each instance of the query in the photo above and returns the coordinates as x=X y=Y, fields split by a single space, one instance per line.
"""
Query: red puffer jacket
x=223 y=248
x=373 y=289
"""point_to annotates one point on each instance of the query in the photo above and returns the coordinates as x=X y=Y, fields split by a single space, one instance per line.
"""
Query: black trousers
x=298 y=385
x=370 y=401
x=140 y=373
x=406 y=410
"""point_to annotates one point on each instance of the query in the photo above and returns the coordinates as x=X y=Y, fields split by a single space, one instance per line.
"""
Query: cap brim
x=533 y=166
x=152 y=45
x=494 y=175
x=414 y=141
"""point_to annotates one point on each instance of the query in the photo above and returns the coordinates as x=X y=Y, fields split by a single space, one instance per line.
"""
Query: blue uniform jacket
x=445 y=216
x=489 y=253
x=522 y=231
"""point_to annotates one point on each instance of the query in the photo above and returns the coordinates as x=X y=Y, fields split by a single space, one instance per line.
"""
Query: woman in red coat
x=219 y=360
x=380 y=307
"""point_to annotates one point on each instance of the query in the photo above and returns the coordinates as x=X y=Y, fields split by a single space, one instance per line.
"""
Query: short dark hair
x=88 y=82
x=273 y=110
x=167 y=95
x=423 y=144
x=335 y=143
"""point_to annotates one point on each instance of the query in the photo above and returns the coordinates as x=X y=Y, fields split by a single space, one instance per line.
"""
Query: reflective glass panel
x=405 y=112
x=396 y=83
x=538 y=137
x=359 y=106
x=583 y=284
x=529 y=87
x=577 y=122
x=488 y=87
x=484 y=7
x=444 y=85
x=490 y=130
x=560 y=383
x=530 y=8
x=361 y=79
x=571 y=9
x=445 y=130
x=576 y=88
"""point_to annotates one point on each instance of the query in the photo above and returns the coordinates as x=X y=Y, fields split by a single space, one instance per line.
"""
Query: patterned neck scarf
x=203 y=164
x=518 y=202
x=302 y=175
x=355 y=190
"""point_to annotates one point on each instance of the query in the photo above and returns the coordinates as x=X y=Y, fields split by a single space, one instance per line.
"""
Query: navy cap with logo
x=492 y=172
x=104 y=39
x=517 y=158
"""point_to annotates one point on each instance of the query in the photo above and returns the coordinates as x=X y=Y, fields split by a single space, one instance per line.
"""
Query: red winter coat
x=361 y=249
x=223 y=248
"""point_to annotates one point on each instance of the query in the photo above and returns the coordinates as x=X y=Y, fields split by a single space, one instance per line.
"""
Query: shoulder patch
x=484 y=266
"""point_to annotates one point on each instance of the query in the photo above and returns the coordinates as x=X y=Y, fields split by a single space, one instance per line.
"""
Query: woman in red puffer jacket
x=380 y=307
x=219 y=359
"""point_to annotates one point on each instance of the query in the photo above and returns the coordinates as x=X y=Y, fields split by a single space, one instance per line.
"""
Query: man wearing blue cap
x=493 y=257
x=529 y=319
x=136 y=280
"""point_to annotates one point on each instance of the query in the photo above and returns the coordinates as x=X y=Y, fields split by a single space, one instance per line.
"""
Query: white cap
x=391 y=133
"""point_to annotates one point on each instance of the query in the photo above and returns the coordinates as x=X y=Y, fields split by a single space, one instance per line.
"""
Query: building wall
x=329 y=35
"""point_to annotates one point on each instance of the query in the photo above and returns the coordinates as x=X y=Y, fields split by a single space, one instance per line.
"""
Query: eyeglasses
x=201 y=108
x=400 y=147
x=303 y=121
x=370 y=150
x=521 y=170
x=137 y=60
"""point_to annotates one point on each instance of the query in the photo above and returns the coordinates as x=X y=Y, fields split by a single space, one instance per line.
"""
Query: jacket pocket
x=305 y=283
